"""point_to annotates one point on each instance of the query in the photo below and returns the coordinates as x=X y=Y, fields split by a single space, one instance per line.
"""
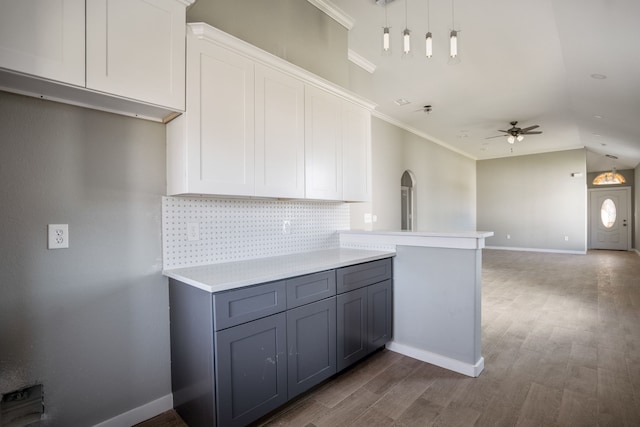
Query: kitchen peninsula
x=437 y=294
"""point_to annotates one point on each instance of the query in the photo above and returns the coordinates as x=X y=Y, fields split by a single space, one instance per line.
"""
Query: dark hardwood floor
x=561 y=341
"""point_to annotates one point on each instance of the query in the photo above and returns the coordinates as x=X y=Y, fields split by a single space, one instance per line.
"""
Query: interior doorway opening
x=407 y=201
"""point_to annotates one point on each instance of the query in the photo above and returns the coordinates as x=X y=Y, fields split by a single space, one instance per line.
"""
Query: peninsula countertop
x=452 y=240
x=230 y=275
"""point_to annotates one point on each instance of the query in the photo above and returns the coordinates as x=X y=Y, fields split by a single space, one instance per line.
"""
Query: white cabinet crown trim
x=206 y=32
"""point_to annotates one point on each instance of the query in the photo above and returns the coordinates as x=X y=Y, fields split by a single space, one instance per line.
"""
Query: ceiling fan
x=517 y=134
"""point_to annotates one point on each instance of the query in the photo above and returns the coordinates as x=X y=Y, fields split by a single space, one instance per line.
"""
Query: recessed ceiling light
x=597 y=135
x=597 y=116
x=402 y=101
x=598 y=76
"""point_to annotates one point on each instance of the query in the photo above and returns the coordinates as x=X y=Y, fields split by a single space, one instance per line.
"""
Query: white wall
x=535 y=200
x=445 y=182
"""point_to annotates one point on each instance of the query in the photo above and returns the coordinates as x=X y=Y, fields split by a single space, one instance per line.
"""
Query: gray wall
x=535 y=200
x=636 y=222
x=445 y=188
x=89 y=322
x=294 y=30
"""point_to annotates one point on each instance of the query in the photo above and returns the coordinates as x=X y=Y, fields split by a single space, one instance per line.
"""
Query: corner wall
x=636 y=237
x=535 y=200
x=91 y=322
x=445 y=191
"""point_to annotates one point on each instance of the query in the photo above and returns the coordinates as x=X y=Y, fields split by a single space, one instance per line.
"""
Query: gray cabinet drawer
x=310 y=288
x=246 y=304
x=357 y=276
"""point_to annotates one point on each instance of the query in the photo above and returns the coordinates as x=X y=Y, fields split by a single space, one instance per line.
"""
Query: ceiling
x=525 y=60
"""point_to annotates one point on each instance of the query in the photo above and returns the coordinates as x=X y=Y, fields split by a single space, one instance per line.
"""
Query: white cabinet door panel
x=220 y=122
x=279 y=130
x=356 y=146
x=135 y=49
x=44 y=38
x=323 y=145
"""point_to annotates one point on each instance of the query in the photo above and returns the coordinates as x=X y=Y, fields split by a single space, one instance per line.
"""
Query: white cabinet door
x=44 y=38
x=356 y=149
x=323 y=145
x=211 y=146
x=135 y=49
x=279 y=144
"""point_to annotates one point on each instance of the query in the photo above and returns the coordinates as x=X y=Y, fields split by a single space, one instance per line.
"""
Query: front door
x=610 y=218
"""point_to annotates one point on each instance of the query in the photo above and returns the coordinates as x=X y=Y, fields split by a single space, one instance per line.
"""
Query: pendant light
x=453 y=37
x=406 y=34
x=428 y=37
x=386 y=36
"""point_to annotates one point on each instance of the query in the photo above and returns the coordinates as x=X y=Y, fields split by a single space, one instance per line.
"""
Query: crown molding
x=334 y=12
x=361 y=61
x=419 y=133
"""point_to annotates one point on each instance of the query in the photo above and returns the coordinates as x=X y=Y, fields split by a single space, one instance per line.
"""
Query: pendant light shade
x=429 y=45
x=406 y=41
x=386 y=40
x=511 y=139
x=453 y=44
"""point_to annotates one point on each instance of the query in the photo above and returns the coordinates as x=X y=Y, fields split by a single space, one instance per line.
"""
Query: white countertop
x=230 y=275
x=448 y=240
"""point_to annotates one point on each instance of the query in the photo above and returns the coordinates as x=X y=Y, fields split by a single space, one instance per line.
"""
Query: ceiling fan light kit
x=515 y=133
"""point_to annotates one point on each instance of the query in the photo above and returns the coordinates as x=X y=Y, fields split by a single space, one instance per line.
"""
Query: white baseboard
x=553 y=251
x=636 y=251
x=438 y=360
x=141 y=413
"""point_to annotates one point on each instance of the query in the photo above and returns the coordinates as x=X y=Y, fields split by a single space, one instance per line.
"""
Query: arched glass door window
x=407 y=196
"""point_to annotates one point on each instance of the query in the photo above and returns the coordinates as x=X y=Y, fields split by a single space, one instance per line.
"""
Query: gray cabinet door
x=352 y=327
x=251 y=375
x=379 y=306
x=311 y=342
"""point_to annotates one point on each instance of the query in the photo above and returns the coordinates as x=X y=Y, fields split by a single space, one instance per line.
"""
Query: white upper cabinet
x=356 y=153
x=136 y=48
x=122 y=56
x=279 y=143
x=211 y=146
x=323 y=145
x=44 y=38
x=258 y=126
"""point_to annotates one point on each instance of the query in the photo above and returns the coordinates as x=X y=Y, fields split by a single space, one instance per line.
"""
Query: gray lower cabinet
x=364 y=315
x=250 y=370
x=311 y=340
x=352 y=327
x=239 y=354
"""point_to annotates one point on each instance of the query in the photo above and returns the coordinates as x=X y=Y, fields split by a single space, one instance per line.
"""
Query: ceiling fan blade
x=531 y=133
x=529 y=128
x=497 y=136
x=505 y=131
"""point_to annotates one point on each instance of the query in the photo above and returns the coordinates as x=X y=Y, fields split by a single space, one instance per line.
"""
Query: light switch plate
x=58 y=236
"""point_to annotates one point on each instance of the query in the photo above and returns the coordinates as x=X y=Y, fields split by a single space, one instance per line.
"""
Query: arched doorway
x=407 y=200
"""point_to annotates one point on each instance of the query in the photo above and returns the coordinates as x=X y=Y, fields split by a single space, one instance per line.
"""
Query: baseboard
x=438 y=360
x=141 y=413
x=552 y=251
x=636 y=251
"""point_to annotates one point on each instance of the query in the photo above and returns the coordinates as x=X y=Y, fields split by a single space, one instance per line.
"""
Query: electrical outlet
x=193 y=231
x=566 y=238
x=286 y=227
x=508 y=236
x=58 y=236
x=368 y=218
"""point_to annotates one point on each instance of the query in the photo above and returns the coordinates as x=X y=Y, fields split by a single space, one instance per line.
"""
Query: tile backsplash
x=238 y=229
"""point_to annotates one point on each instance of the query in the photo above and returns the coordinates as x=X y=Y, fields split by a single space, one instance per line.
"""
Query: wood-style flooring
x=561 y=342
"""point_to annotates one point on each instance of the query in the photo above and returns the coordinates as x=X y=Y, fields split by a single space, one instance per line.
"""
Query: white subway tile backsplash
x=238 y=229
